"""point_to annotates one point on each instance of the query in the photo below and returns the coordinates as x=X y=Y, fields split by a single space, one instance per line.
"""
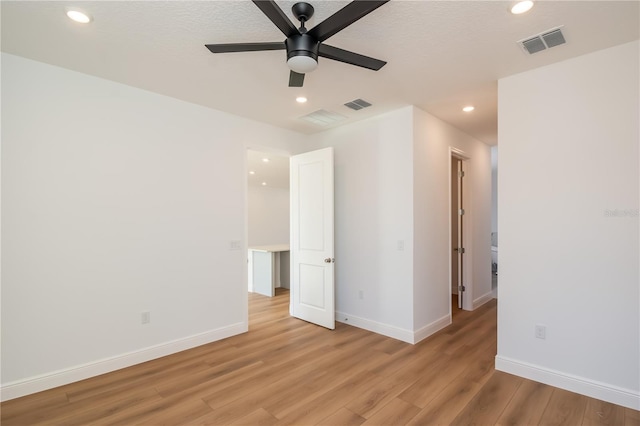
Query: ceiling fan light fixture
x=302 y=64
x=302 y=53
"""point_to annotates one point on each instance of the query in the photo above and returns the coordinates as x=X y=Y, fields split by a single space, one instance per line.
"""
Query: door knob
x=329 y=260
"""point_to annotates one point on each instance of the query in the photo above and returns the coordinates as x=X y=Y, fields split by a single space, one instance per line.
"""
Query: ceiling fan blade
x=344 y=17
x=352 y=58
x=244 y=47
x=295 y=79
x=277 y=16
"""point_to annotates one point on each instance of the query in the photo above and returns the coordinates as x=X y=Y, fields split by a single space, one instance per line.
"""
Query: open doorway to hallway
x=267 y=223
x=457 y=235
x=494 y=221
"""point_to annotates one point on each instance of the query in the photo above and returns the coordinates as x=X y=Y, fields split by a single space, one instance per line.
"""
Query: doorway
x=300 y=257
x=458 y=288
x=267 y=222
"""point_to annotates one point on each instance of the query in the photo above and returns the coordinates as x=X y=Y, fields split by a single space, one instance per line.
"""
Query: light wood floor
x=286 y=371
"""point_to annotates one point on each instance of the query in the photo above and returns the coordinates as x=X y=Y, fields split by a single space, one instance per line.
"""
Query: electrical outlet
x=145 y=317
x=541 y=331
x=400 y=245
x=361 y=294
x=235 y=245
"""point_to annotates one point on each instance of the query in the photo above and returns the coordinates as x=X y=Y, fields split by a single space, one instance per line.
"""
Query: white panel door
x=312 y=259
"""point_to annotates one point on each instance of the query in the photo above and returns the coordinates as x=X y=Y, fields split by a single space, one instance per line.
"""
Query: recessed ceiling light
x=251 y=172
x=265 y=160
x=468 y=108
x=78 y=16
x=264 y=183
x=521 y=7
x=301 y=99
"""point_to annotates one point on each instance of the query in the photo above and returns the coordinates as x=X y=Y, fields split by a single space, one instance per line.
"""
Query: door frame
x=467 y=230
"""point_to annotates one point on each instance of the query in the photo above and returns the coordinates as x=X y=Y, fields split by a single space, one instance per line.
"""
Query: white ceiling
x=441 y=55
x=273 y=173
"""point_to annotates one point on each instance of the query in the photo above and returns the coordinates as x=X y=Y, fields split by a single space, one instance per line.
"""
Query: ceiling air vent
x=542 y=41
x=323 y=117
x=357 y=104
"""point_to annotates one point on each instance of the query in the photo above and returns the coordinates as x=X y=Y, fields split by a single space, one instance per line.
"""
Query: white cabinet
x=265 y=268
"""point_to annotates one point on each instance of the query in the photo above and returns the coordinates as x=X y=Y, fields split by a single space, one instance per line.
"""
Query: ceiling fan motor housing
x=302 y=45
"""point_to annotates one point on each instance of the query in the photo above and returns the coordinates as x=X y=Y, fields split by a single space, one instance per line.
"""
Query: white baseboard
x=429 y=329
x=605 y=392
x=376 y=327
x=408 y=336
x=482 y=300
x=54 y=379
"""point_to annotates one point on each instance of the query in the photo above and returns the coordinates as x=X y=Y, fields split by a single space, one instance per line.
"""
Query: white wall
x=268 y=210
x=115 y=201
x=373 y=213
x=432 y=264
x=568 y=137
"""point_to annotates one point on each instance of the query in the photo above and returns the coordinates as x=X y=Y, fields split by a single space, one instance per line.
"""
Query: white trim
x=429 y=329
x=603 y=391
x=54 y=379
x=408 y=336
x=457 y=152
x=482 y=300
x=376 y=327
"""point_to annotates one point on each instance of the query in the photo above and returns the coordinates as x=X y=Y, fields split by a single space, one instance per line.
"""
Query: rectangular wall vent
x=357 y=104
x=543 y=41
x=323 y=117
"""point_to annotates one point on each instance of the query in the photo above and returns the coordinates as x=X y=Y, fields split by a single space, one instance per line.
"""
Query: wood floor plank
x=212 y=374
x=177 y=414
x=631 y=417
x=396 y=412
x=259 y=417
x=301 y=372
x=564 y=408
x=376 y=397
x=99 y=407
x=342 y=417
x=446 y=405
x=20 y=410
x=314 y=410
x=527 y=405
x=450 y=401
x=487 y=405
x=130 y=378
x=433 y=380
x=600 y=413
x=335 y=386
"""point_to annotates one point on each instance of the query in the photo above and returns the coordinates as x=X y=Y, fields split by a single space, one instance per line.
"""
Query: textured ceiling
x=441 y=55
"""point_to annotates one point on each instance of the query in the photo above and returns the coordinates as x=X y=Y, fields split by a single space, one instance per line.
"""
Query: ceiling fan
x=304 y=46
